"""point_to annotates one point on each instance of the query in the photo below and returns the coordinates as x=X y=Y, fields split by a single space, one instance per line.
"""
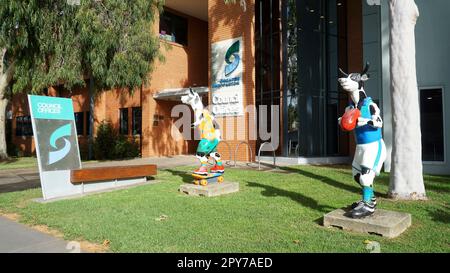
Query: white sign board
x=57 y=149
x=56 y=144
x=226 y=76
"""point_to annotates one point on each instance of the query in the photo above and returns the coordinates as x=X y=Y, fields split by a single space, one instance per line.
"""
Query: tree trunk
x=91 y=119
x=406 y=181
x=3 y=148
x=5 y=78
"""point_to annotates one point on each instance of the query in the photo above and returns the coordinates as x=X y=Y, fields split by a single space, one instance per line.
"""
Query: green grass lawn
x=273 y=212
x=18 y=163
x=25 y=163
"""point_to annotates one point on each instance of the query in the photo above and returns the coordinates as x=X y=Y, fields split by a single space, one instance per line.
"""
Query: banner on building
x=56 y=143
x=226 y=76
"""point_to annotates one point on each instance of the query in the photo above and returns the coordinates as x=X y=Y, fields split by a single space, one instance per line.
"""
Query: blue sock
x=367 y=194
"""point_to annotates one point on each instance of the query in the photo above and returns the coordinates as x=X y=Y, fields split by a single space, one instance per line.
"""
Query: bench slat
x=111 y=173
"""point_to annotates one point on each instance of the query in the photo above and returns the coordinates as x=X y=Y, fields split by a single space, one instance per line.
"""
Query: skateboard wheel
x=196 y=182
x=203 y=182
x=220 y=179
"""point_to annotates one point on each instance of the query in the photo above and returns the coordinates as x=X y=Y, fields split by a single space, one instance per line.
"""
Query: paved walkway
x=18 y=238
x=22 y=179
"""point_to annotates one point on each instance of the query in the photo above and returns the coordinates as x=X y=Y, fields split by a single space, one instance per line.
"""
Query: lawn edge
x=86 y=246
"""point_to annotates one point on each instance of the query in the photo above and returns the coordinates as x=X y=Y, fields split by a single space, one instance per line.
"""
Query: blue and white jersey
x=367 y=134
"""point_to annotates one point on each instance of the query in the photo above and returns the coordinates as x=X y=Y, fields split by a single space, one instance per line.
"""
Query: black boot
x=373 y=201
x=363 y=209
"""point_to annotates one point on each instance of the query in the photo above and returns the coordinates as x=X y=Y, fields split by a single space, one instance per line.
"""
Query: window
x=137 y=120
x=173 y=28
x=79 y=122
x=23 y=126
x=432 y=124
x=123 y=130
x=8 y=127
x=88 y=123
x=157 y=119
x=312 y=38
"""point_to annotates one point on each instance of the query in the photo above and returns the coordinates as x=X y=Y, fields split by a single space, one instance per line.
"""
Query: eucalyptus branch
x=2 y=59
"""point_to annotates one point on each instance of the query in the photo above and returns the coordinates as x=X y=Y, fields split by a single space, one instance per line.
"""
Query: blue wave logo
x=58 y=155
x=232 y=58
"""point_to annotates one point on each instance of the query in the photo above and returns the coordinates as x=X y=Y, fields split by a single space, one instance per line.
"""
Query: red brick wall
x=354 y=48
x=227 y=22
x=184 y=66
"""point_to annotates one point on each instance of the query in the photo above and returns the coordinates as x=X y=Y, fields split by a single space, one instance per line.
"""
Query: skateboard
x=204 y=180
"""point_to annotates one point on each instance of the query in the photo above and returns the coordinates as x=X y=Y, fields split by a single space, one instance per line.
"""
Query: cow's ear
x=342 y=73
x=365 y=77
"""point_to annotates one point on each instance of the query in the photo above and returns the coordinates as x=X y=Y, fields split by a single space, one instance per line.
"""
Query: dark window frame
x=88 y=123
x=80 y=130
x=444 y=146
x=136 y=127
x=173 y=25
x=24 y=127
x=123 y=123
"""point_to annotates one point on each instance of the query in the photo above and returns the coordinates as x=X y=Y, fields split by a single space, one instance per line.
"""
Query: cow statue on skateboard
x=363 y=116
x=210 y=138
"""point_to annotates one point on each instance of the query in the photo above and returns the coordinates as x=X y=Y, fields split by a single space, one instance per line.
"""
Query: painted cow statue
x=209 y=133
x=370 y=152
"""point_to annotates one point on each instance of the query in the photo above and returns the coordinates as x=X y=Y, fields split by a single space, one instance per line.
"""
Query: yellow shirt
x=206 y=126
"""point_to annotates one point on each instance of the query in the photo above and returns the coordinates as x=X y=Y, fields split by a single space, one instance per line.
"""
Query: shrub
x=108 y=145
x=12 y=149
x=125 y=148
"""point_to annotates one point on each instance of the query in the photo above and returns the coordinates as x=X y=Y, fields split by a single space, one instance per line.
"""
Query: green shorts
x=207 y=146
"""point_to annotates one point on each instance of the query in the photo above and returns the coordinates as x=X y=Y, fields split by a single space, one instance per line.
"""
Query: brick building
x=263 y=27
x=287 y=56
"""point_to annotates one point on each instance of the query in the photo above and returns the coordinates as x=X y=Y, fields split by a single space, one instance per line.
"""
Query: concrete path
x=22 y=179
x=18 y=238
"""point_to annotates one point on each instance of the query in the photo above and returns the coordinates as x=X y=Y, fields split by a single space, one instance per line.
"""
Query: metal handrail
x=259 y=155
x=237 y=147
x=229 y=152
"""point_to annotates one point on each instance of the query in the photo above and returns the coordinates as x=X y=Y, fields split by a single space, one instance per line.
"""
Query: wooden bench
x=111 y=173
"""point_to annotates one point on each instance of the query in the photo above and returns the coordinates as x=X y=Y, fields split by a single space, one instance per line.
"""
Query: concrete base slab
x=211 y=190
x=386 y=223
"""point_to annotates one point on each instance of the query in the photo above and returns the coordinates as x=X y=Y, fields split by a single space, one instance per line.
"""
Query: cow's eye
x=355 y=77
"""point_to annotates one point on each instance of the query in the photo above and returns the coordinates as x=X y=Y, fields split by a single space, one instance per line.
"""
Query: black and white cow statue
x=370 y=152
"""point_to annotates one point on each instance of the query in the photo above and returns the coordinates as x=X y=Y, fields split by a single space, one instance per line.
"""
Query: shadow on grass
x=332 y=182
x=20 y=186
x=440 y=215
x=440 y=179
x=186 y=176
x=9 y=160
x=436 y=189
x=303 y=200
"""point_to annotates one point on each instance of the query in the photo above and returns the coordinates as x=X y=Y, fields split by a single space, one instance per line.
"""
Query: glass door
x=312 y=46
